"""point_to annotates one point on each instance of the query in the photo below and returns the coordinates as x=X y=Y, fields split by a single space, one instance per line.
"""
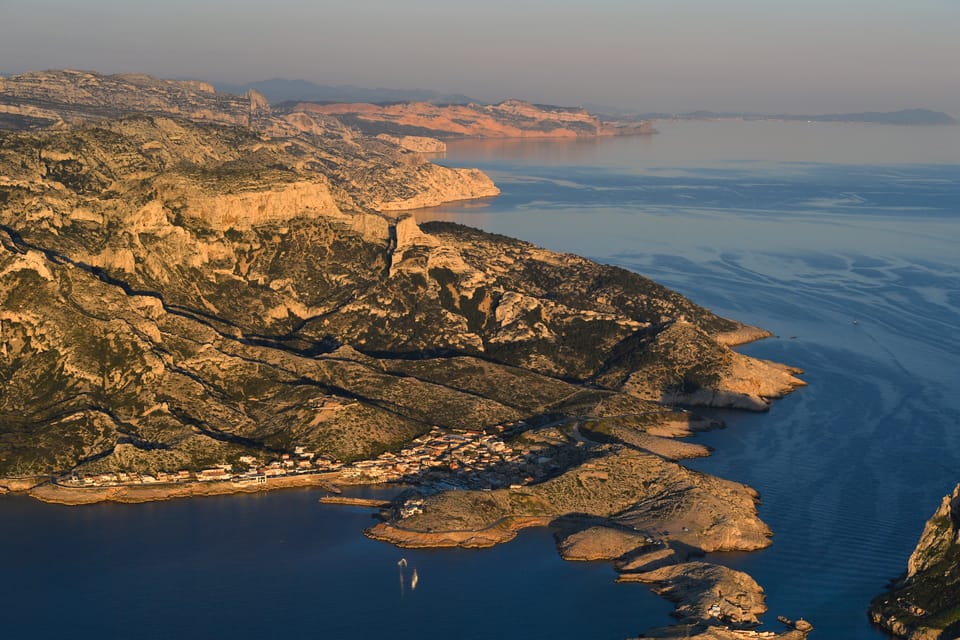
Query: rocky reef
x=925 y=603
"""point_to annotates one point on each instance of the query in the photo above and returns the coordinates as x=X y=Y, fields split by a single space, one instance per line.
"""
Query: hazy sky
x=769 y=55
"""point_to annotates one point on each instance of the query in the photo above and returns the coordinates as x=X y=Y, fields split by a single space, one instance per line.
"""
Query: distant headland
x=902 y=117
x=507 y=119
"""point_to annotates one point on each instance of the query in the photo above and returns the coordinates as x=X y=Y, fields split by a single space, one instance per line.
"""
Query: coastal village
x=300 y=462
x=455 y=458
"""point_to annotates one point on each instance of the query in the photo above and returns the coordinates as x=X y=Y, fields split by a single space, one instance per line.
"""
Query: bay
x=280 y=564
x=841 y=239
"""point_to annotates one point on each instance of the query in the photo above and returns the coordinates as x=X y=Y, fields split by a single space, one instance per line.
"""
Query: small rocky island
x=200 y=295
x=925 y=603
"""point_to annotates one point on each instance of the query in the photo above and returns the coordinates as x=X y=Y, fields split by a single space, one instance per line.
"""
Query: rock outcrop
x=925 y=603
x=705 y=591
x=420 y=144
x=713 y=602
x=599 y=543
x=710 y=375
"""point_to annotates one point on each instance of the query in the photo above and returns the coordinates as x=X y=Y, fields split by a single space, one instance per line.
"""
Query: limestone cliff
x=421 y=144
x=925 y=603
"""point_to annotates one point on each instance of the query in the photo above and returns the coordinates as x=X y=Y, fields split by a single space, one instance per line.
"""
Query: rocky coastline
x=924 y=603
x=212 y=290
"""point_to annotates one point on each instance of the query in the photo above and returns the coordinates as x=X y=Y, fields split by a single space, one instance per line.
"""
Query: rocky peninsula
x=924 y=604
x=193 y=305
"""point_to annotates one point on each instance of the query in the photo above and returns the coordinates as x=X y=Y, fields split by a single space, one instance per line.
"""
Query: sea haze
x=839 y=238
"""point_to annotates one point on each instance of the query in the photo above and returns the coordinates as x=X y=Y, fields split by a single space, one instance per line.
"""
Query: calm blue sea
x=841 y=239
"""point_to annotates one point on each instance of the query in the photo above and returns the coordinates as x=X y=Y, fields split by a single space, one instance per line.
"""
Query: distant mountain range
x=279 y=90
x=904 y=116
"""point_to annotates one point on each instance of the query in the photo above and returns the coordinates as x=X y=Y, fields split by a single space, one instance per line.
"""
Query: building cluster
x=461 y=458
x=249 y=468
x=475 y=457
x=112 y=479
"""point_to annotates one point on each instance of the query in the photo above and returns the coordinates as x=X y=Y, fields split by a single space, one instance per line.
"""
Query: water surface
x=280 y=564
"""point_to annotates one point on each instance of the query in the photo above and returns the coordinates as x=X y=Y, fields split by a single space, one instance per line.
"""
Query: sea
x=841 y=239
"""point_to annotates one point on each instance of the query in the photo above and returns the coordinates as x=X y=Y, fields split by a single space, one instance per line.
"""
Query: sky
x=813 y=56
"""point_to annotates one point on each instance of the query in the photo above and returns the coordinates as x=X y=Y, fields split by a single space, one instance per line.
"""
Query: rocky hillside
x=174 y=294
x=45 y=98
x=509 y=119
x=925 y=603
x=383 y=174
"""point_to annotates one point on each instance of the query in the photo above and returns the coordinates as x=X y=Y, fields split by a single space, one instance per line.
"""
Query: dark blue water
x=799 y=229
x=282 y=565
